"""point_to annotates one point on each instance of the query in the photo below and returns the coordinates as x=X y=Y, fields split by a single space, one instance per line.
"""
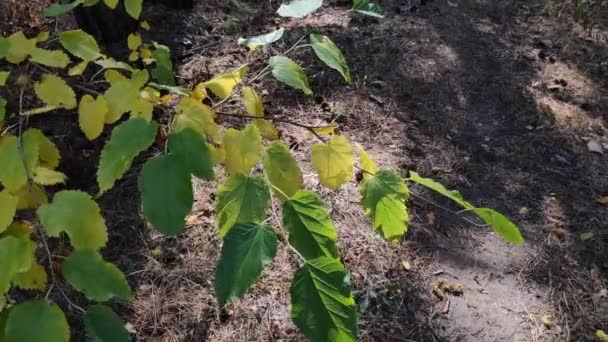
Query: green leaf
x=104 y=325
x=333 y=161
x=13 y=174
x=367 y=164
x=282 y=170
x=56 y=10
x=51 y=58
x=322 y=305
x=15 y=257
x=290 y=73
x=262 y=40
x=502 y=225
x=190 y=148
x=311 y=231
x=241 y=199
x=2 y=110
x=163 y=66
x=247 y=249
x=134 y=7
x=329 y=53
x=454 y=195
x=99 y=280
x=76 y=214
x=80 y=44
x=383 y=198
x=243 y=149
x=37 y=320
x=367 y=8
x=4 y=47
x=3 y=77
x=8 y=207
x=19 y=47
x=299 y=8
x=166 y=191
x=127 y=141
x=54 y=91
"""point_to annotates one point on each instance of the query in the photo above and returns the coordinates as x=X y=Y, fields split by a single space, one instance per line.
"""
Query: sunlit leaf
x=80 y=44
x=54 y=91
x=110 y=63
x=44 y=176
x=454 y=195
x=333 y=162
x=198 y=116
x=241 y=199
x=262 y=40
x=31 y=197
x=310 y=229
x=247 y=249
x=329 y=53
x=299 y=8
x=76 y=214
x=367 y=164
x=243 y=149
x=383 y=198
x=282 y=169
x=166 y=190
x=111 y=3
x=255 y=107
x=128 y=139
x=37 y=320
x=223 y=85
x=104 y=325
x=502 y=225
x=322 y=305
x=290 y=73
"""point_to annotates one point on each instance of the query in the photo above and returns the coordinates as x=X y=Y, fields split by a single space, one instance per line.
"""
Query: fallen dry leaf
x=602 y=200
x=559 y=232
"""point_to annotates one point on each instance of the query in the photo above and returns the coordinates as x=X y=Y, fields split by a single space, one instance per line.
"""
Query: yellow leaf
x=166 y=99
x=253 y=102
x=111 y=3
x=145 y=52
x=267 y=129
x=112 y=76
x=44 y=176
x=19 y=47
x=200 y=117
x=31 y=197
x=51 y=58
x=53 y=91
x=133 y=56
x=333 y=162
x=142 y=109
x=13 y=154
x=48 y=153
x=242 y=148
x=121 y=97
x=145 y=25
x=150 y=94
x=199 y=93
x=78 y=69
x=327 y=131
x=8 y=207
x=91 y=115
x=366 y=162
x=42 y=37
x=282 y=170
x=33 y=279
x=218 y=153
x=20 y=230
x=223 y=85
x=134 y=41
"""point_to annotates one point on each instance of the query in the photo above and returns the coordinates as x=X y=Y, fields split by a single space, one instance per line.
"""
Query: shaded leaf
x=99 y=280
x=163 y=66
x=54 y=91
x=241 y=199
x=15 y=257
x=198 y=116
x=243 y=149
x=33 y=279
x=190 y=147
x=51 y=58
x=80 y=44
x=37 y=320
x=8 y=208
x=19 y=47
x=368 y=8
x=290 y=73
x=134 y=7
x=104 y=325
x=166 y=191
x=329 y=53
x=247 y=249
x=91 y=115
x=310 y=229
x=13 y=175
x=282 y=169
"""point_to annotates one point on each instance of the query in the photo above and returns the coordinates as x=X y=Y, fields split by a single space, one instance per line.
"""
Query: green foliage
x=247 y=248
x=195 y=143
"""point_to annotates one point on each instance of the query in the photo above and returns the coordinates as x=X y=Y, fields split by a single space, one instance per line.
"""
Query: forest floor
x=498 y=99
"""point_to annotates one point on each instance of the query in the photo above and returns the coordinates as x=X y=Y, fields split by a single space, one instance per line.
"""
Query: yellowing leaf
x=3 y=77
x=8 y=207
x=267 y=129
x=142 y=109
x=76 y=214
x=121 y=97
x=145 y=25
x=253 y=102
x=91 y=115
x=333 y=162
x=42 y=37
x=51 y=58
x=19 y=47
x=200 y=117
x=134 y=7
x=31 y=197
x=223 y=85
x=53 y=91
x=134 y=41
x=327 y=130
x=242 y=148
x=48 y=153
x=199 y=93
x=367 y=164
x=112 y=76
x=44 y=176
x=111 y=3
x=145 y=53
x=282 y=169
x=133 y=56
x=33 y=279
x=12 y=172
x=78 y=69
x=80 y=44
x=218 y=153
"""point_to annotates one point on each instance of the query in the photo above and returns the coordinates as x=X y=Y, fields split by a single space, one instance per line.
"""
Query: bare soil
x=496 y=99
